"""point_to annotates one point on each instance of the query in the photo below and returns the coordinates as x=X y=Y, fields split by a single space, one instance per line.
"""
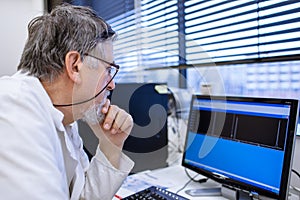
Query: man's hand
x=113 y=131
x=117 y=124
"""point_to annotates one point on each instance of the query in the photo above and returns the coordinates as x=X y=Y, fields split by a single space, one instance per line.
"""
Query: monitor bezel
x=288 y=155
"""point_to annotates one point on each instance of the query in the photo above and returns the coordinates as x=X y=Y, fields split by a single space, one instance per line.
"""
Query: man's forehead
x=104 y=49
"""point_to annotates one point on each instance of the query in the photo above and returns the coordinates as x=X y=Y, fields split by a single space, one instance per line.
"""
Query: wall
x=14 y=18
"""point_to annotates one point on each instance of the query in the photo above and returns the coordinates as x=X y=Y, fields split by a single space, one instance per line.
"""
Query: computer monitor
x=242 y=142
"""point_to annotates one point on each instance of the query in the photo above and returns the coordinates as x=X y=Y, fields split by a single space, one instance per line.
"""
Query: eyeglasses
x=112 y=72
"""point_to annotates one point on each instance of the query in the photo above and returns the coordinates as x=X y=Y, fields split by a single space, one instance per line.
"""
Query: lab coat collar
x=57 y=115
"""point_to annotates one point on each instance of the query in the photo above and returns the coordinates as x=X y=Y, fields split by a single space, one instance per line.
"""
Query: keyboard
x=154 y=193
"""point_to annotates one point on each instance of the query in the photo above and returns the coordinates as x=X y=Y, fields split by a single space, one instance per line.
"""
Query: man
x=65 y=74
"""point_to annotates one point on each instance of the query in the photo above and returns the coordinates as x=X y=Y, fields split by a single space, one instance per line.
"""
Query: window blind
x=111 y=9
x=224 y=31
x=106 y=9
x=159 y=33
x=126 y=47
x=147 y=38
x=279 y=27
x=219 y=31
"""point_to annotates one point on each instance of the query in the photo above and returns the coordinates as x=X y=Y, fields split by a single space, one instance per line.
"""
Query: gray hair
x=52 y=36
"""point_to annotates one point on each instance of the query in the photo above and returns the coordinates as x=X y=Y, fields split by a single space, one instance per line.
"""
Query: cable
x=295 y=190
x=297 y=173
x=202 y=180
x=186 y=184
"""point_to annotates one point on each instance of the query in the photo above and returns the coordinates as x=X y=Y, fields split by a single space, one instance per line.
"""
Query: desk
x=173 y=178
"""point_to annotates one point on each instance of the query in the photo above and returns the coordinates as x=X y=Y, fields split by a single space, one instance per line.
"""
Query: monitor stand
x=225 y=191
x=209 y=191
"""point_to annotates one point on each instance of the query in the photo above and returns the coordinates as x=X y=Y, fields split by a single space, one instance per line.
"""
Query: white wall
x=14 y=18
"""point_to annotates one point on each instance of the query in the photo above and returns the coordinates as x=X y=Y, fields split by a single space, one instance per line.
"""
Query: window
x=249 y=47
x=148 y=38
x=271 y=79
x=240 y=40
x=242 y=31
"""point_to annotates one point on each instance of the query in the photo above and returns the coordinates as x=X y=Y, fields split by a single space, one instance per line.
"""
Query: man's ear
x=73 y=64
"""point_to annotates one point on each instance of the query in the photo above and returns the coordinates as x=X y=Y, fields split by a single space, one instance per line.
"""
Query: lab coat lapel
x=69 y=156
x=74 y=171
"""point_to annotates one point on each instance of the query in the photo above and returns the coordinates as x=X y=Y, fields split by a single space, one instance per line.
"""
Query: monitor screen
x=242 y=142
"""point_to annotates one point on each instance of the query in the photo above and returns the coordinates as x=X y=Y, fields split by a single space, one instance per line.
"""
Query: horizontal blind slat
x=218 y=29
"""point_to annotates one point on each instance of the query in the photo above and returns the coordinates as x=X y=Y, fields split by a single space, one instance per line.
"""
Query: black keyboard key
x=154 y=193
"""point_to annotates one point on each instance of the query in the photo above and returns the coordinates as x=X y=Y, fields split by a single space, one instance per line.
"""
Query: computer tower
x=147 y=143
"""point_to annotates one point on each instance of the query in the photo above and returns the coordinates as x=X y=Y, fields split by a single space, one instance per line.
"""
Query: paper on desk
x=140 y=181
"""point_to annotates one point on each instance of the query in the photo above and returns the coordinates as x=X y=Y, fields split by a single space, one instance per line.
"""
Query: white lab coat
x=42 y=159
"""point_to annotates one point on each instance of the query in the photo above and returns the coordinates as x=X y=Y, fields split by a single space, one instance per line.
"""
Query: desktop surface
x=172 y=178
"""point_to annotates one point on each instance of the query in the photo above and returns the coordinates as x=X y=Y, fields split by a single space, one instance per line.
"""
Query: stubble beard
x=93 y=115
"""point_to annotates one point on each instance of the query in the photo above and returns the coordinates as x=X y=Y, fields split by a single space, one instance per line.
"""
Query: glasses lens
x=113 y=71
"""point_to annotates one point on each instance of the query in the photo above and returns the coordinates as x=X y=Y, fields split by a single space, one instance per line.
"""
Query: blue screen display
x=244 y=162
